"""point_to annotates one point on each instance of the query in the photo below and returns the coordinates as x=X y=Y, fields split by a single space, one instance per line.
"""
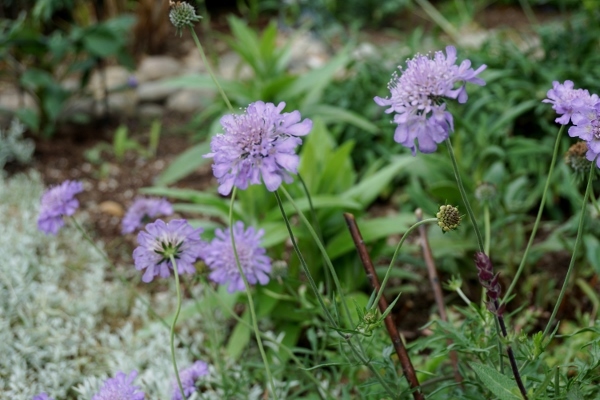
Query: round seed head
x=485 y=192
x=448 y=218
x=576 y=159
x=182 y=15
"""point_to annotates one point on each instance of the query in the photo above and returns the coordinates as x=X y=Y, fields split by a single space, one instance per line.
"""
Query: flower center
x=168 y=247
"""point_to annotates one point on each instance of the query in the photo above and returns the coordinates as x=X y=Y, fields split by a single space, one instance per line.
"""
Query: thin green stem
x=521 y=267
x=172 y=337
x=303 y=264
x=209 y=69
x=313 y=214
x=463 y=194
x=398 y=246
x=336 y=281
x=487 y=229
x=359 y=353
x=250 y=300
x=280 y=345
x=578 y=239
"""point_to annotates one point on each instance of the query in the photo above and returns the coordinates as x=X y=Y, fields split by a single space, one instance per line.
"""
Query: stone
x=154 y=91
x=116 y=78
x=153 y=68
x=192 y=63
x=111 y=208
x=190 y=100
x=307 y=52
x=150 y=111
x=11 y=99
x=232 y=67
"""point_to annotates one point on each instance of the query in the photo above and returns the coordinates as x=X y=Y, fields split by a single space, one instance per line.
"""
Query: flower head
x=42 y=396
x=144 y=210
x=120 y=388
x=448 y=218
x=576 y=158
x=260 y=143
x=566 y=100
x=182 y=15
x=188 y=377
x=417 y=98
x=587 y=127
x=485 y=192
x=161 y=241
x=57 y=202
x=220 y=258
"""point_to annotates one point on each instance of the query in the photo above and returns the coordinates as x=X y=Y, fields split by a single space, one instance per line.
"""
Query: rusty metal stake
x=407 y=367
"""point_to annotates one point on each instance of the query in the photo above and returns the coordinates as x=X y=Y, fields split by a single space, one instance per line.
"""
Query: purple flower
x=417 y=98
x=56 y=202
x=144 y=210
x=42 y=396
x=120 y=388
x=220 y=258
x=565 y=100
x=188 y=377
x=132 y=81
x=162 y=240
x=587 y=127
x=260 y=143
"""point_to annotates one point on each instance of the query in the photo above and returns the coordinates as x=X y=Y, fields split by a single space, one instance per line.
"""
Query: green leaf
x=186 y=163
x=240 y=337
x=369 y=189
x=101 y=42
x=371 y=230
x=501 y=385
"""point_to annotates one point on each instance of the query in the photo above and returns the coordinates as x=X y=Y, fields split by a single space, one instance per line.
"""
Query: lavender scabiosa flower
x=120 y=387
x=260 y=143
x=188 y=377
x=57 y=202
x=587 y=127
x=144 y=210
x=162 y=240
x=417 y=98
x=42 y=396
x=566 y=100
x=220 y=258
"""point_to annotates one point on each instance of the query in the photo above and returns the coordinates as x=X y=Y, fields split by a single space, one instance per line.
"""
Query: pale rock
x=11 y=99
x=111 y=78
x=192 y=63
x=189 y=100
x=150 y=111
x=153 y=68
x=154 y=91
x=307 y=53
x=232 y=67
x=111 y=208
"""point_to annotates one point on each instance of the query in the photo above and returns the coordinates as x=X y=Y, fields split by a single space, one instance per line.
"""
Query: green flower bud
x=182 y=15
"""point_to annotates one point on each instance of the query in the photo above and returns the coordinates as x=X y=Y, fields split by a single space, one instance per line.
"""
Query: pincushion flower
x=120 y=388
x=417 y=98
x=162 y=240
x=189 y=376
x=57 y=202
x=42 y=396
x=259 y=144
x=144 y=210
x=220 y=258
x=587 y=127
x=566 y=100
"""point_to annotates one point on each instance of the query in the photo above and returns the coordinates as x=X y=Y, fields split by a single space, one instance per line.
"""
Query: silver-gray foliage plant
x=13 y=147
x=55 y=304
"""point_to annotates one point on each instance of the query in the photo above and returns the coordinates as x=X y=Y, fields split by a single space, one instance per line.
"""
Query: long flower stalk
x=358 y=352
x=250 y=300
x=480 y=243
x=578 y=239
x=521 y=267
x=172 y=335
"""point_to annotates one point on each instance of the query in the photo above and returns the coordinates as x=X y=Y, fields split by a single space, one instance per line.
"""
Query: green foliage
x=46 y=57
